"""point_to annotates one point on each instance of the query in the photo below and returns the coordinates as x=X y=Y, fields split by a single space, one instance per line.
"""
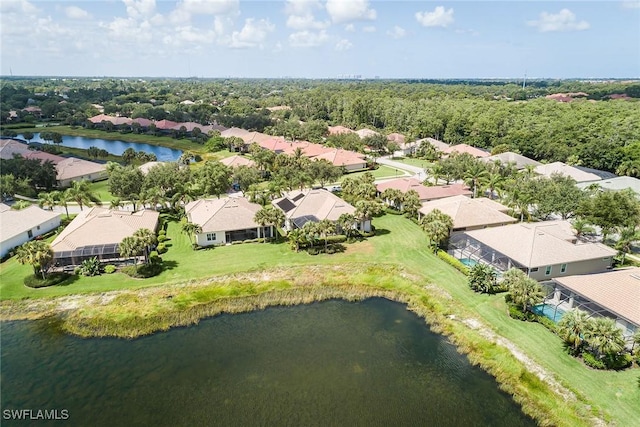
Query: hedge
x=454 y=262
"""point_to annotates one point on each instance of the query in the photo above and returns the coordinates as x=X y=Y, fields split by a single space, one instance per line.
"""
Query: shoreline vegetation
x=133 y=313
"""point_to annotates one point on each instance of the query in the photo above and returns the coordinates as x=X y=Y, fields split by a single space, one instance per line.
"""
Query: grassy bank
x=266 y=274
x=164 y=141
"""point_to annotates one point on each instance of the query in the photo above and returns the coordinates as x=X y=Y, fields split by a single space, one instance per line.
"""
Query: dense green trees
x=29 y=175
x=610 y=210
x=36 y=253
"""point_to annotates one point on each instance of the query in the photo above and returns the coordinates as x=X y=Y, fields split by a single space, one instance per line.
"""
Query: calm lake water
x=163 y=154
x=328 y=364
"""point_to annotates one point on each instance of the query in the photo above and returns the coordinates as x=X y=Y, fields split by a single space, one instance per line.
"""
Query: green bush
x=248 y=241
x=143 y=271
x=90 y=267
x=453 y=261
x=313 y=251
x=109 y=269
x=338 y=238
x=516 y=313
x=237 y=242
x=161 y=248
x=591 y=361
x=618 y=361
x=546 y=322
x=162 y=238
x=51 y=280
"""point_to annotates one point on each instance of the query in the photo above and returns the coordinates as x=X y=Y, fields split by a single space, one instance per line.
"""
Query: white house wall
x=7 y=245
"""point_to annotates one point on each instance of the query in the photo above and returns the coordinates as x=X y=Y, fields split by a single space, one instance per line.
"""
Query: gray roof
x=14 y=222
x=602 y=174
x=564 y=169
x=316 y=205
x=99 y=226
x=518 y=160
x=540 y=244
x=616 y=184
x=618 y=291
x=226 y=214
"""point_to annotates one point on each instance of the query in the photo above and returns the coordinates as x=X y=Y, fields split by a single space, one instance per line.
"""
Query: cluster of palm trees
x=599 y=336
x=437 y=225
x=524 y=292
x=407 y=203
x=36 y=253
x=269 y=215
x=79 y=192
x=139 y=243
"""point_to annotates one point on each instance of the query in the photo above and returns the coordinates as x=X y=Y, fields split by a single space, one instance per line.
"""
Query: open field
x=413 y=162
x=403 y=267
x=380 y=173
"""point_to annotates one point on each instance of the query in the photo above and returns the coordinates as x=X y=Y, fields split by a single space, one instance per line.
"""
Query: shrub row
x=51 y=280
x=454 y=262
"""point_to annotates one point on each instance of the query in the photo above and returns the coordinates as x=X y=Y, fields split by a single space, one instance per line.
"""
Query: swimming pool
x=548 y=311
x=468 y=262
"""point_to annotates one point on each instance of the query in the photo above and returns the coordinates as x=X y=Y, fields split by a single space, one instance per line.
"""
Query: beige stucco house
x=226 y=220
x=470 y=214
x=543 y=250
x=73 y=169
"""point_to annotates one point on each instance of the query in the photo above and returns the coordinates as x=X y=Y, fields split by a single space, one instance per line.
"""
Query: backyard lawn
x=380 y=173
x=399 y=242
x=101 y=190
x=413 y=162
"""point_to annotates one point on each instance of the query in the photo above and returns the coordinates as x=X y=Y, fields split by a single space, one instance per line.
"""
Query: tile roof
x=467 y=213
x=618 y=291
x=99 y=226
x=616 y=184
x=564 y=169
x=540 y=244
x=336 y=130
x=339 y=157
x=425 y=193
x=235 y=161
x=72 y=167
x=439 y=145
x=166 y=124
x=14 y=222
x=397 y=138
x=363 y=133
x=315 y=205
x=225 y=214
x=465 y=148
x=146 y=167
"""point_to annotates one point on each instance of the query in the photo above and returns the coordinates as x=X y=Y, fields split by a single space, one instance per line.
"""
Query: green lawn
x=382 y=172
x=399 y=241
x=101 y=189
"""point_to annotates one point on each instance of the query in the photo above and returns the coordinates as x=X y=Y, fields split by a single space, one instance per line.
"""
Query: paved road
x=414 y=170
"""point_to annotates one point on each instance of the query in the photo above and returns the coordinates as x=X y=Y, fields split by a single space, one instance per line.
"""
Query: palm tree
x=572 y=328
x=264 y=217
x=393 y=197
x=581 y=227
x=475 y=176
x=345 y=224
x=629 y=168
x=131 y=247
x=436 y=171
x=411 y=203
x=628 y=236
x=526 y=292
x=437 y=225
x=147 y=238
x=190 y=229
x=604 y=337
x=495 y=183
x=49 y=200
x=295 y=237
x=115 y=204
x=324 y=229
x=38 y=254
x=366 y=209
x=81 y=193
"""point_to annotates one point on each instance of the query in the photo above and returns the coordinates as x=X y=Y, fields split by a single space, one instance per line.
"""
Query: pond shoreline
x=129 y=314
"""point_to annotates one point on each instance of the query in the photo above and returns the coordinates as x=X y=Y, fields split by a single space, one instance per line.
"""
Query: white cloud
x=18 y=6
x=74 y=12
x=369 y=29
x=254 y=33
x=129 y=30
x=397 y=32
x=140 y=8
x=631 y=4
x=350 y=28
x=565 y=20
x=440 y=17
x=303 y=22
x=343 y=45
x=301 y=7
x=185 y=8
x=308 y=38
x=350 y=10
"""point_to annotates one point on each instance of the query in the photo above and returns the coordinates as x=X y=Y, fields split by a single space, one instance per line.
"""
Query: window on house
x=534 y=269
x=211 y=237
x=38 y=227
x=563 y=268
x=30 y=233
x=547 y=271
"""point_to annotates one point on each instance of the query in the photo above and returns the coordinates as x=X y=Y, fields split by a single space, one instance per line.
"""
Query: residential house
x=226 y=220
x=72 y=169
x=97 y=232
x=146 y=167
x=543 y=250
x=470 y=214
x=349 y=160
x=517 y=160
x=20 y=226
x=615 y=184
x=464 y=148
x=566 y=170
x=336 y=130
x=235 y=161
x=302 y=206
x=364 y=133
x=425 y=193
x=614 y=294
x=437 y=144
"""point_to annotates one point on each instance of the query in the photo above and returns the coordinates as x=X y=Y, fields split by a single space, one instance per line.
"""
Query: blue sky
x=321 y=38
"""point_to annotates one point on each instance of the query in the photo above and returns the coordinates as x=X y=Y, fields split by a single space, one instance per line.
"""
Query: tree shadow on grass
x=169 y=265
x=382 y=231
